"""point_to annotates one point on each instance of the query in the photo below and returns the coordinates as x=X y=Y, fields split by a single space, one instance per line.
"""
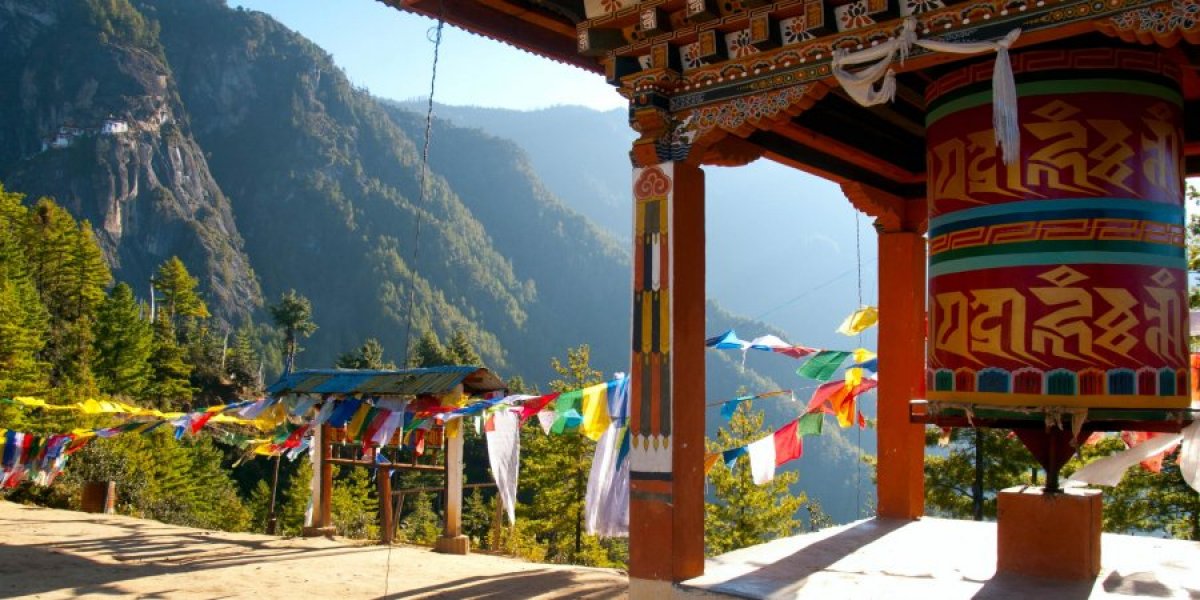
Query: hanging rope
x=435 y=36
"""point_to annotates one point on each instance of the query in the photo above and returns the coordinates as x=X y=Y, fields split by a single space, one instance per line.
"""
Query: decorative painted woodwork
x=1060 y=280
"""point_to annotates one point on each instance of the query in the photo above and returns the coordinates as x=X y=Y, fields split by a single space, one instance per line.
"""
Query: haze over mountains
x=249 y=155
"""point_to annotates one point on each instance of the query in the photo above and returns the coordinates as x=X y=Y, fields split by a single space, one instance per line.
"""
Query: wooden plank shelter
x=432 y=387
x=1023 y=161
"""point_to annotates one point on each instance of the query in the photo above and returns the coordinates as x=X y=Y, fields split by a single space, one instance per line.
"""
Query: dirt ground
x=47 y=553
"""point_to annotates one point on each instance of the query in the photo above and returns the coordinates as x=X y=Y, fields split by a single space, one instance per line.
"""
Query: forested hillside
x=218 y=136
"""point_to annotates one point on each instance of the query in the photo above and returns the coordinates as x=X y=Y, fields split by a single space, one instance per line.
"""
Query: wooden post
x=326 y=520
x=452 y=540
x=387 y=527
x=666 y=512
x=900 y=473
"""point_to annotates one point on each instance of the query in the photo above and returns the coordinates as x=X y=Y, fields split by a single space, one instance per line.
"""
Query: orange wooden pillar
x=666 y=511
x=900 y=472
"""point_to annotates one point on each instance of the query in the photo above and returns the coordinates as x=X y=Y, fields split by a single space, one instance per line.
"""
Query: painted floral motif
x=738 y=43
x=916 y=7
x=599 y=8
x=1160 y=21
x=793 y=30
x=611 y=5
x=853 y=16
x=689 y=56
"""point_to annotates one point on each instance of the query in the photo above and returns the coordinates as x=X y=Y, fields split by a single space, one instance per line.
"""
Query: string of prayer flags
x=504 y=456
x=859 y=321
x=730 y=406
x=532 y=407
x=774 y=450
x=606 y=503
x=710 y=461
x=772 y=343
x=727 y=341
x=594 y=410
x=812 y=423
x=1110 y=469
x=823 y=365
x=767 y=343
x=731 y=455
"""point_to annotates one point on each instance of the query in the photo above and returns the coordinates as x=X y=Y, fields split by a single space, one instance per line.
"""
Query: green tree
x=180 y=300
x=354 y=510
x=744 y=514
x=461 y=350
x=950 y=475
x=170 y=372
x=68 y=269
x=421 y=524
x=554 y=470
x=124 y=342
x=368 y=356
x=243 y=361
x=293 y=314
x=428 y=352
x=24 y=320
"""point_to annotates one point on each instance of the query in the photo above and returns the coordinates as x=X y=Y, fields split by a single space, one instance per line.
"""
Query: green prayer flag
x=823 y=365
x=812 y=423
x=568 y=401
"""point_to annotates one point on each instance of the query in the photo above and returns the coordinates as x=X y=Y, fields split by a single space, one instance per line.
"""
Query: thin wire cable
x=807 y=292
x=858 y=430
x=436 y=38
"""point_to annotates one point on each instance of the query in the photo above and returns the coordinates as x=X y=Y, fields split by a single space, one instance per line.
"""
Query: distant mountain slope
x=90 y=116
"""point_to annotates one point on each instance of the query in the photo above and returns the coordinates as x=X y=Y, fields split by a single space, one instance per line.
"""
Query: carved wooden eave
x=699 y=71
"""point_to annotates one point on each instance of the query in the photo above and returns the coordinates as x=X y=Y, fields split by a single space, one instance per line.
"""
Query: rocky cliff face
x=89 y=115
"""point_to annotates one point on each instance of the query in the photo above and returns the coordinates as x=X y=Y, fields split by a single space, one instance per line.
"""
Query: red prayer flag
x=374 y=426
x=199 y=422
x=787 y=443
x=534 y=406
x=826 y=394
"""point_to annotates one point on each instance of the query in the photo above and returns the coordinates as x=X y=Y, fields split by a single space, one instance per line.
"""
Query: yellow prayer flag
x=854 y=376
x=862 y=355
x=858 y=322
x=595 y=411
x=453 y=428
x=710 y=460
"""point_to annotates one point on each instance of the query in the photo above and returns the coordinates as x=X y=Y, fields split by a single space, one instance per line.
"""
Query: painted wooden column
x=666 y=512
x=383 y=478
x=900 y=470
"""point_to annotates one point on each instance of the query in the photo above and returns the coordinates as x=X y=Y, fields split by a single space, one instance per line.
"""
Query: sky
x=389 y=52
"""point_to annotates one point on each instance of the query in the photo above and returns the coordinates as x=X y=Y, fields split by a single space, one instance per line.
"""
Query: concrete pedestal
x=1049 y=535
x=458 y=544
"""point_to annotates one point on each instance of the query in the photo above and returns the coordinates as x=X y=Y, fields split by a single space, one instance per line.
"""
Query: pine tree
x=243 y=363
x=420 y=526
x=462 y=351
x=428 y=352
x=743 y=513
x=555 y=470
x=169 y=381
x=180 y=300
x=68 y=269
x=124 y=342
x=354 y=511
x=24 y=320
x=293 y=314
x=368 y=356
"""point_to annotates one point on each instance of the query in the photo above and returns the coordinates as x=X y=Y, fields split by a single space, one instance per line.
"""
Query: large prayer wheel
x=1060 y=279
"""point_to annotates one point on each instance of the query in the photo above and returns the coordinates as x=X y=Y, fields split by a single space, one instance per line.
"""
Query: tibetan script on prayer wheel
x=1059 y=280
